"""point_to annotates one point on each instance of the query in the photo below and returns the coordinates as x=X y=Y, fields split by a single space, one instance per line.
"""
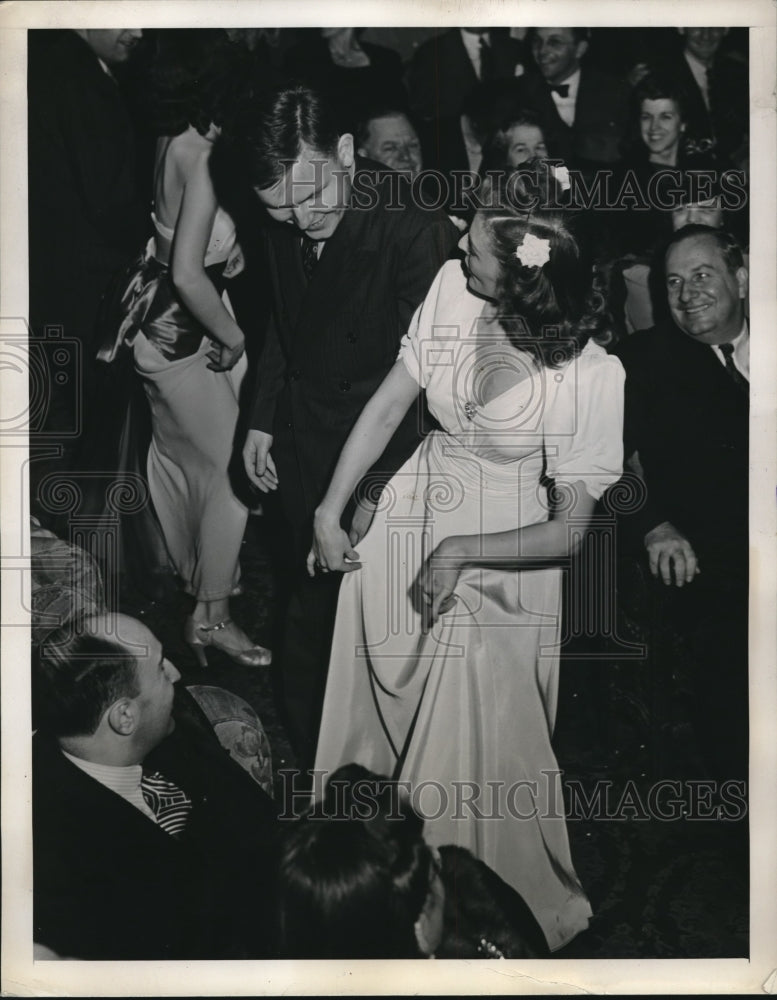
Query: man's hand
x=257 y=459
x=669 y=550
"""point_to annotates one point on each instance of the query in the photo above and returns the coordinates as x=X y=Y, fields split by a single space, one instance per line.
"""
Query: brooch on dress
x=470 y=410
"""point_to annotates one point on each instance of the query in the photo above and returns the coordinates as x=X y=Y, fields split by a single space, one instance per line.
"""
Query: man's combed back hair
x=77 y=675
x=725 y=242
x=268 y=131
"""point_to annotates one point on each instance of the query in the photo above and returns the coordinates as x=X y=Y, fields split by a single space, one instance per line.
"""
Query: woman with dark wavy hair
x=446 y=647
x=187 y=347
x=357 y=879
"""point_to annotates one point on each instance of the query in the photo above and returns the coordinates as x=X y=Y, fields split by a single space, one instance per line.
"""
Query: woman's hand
x=362 y=519
x=433 y=590
x=223 y=357
x=332 y=549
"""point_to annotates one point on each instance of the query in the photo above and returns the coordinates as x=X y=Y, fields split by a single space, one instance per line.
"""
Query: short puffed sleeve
x=447 y=295
x=410 y=349
x=583 y=425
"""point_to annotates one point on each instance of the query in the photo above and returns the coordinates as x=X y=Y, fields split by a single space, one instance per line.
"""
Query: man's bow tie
x=562 y=89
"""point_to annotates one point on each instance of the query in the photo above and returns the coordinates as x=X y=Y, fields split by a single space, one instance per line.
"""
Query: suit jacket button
x=294 y=374
x=351 y=338
x=345 y=385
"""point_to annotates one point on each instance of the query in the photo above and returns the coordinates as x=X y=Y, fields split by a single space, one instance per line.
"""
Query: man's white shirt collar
x=124 y=781
x=741 y=355
x=472 y=45
x=566 y=105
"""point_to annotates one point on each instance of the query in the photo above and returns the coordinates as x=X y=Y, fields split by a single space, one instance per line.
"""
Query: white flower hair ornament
x=533 y=251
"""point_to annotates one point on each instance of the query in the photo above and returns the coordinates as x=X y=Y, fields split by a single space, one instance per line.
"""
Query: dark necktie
x=487 y=70
x=309 y=256
x=169 y=803
x=562 y=89
x=727 y=350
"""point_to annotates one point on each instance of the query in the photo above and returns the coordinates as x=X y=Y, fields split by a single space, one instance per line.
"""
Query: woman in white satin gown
x=444 y=665
x=187 y=347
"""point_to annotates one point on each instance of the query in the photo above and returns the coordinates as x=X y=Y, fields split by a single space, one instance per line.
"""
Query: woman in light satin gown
x=187 y=347
x=444 y=665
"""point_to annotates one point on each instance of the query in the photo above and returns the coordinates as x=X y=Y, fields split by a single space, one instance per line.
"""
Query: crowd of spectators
x=148 y=838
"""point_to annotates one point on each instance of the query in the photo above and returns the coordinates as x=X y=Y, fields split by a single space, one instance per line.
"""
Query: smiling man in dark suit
x=149 y=842
x=584 y=113
x=350 y=258
x=687 y=406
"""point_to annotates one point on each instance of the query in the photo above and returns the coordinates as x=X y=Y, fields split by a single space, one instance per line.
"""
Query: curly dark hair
x=653 y=86
x=551 y=310
x=194 y=78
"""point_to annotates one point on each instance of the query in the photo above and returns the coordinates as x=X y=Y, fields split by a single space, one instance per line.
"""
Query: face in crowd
x=703 y=43
x=112 y=46
x=557 y=53
x=706 y=297
x=661 y=127
x=314 y=193
x=391 y=139
x=525 y=142
x=708 y=212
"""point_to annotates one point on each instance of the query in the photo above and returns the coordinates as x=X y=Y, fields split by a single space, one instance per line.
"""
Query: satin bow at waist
x=146 y=300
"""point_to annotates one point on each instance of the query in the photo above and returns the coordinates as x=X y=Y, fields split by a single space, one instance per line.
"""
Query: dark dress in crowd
x=330 y=342
x=688 y=421
x=86 y=220
x=109 y=884
x=354 y=91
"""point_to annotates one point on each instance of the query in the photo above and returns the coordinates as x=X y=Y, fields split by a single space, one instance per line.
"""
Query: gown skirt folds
x=463 y=713
x=194 y=414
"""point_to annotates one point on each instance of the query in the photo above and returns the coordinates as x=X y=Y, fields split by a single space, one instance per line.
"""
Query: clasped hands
x=332 y=548
x=224 y=357
x=432 y=591
x=671 y=555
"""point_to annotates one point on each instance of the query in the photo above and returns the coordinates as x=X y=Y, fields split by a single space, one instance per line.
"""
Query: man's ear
x=345 y=150
x=743 y=281
x=122 y=717
x=581 y=48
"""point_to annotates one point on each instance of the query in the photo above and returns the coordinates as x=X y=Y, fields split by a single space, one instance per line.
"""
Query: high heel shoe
x=199 y=636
